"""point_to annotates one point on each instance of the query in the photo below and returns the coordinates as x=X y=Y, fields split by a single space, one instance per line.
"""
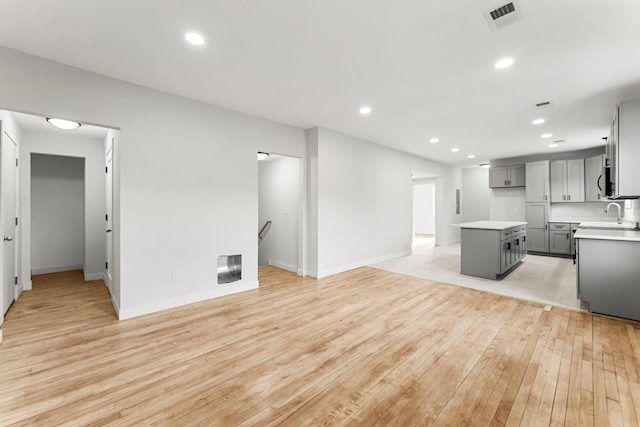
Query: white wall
x=631 y=210
x=475 y=195
x=280 y=183
x=92 y=151
x=365 y=199
x=424 y=220
x=57 y=213
x=587 y=210
x=185 y=175
x=507 y=204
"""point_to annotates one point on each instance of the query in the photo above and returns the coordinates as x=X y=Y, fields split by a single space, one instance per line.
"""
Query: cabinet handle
x=545 y=197
x=569 y=197
x=546 y=226
x=564 y=197
x=567 y=235
x=509 y=246
x=505 y=183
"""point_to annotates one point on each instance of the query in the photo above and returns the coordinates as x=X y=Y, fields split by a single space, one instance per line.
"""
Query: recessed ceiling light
x=538 y=121
x=471 y=156
x=485 y=165
x=546 y=135
x=194 y=38
x=365 y=110
x=262 y=156
x=63 y=124
x=434 y=140
x=554 y=145
x=504 y=63
x=455 y=150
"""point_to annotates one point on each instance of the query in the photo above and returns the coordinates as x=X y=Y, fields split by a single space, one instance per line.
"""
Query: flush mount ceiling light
x=538 y=121
x=546 y=135
x=365 y=110
x=63 y=124
x=554 y=145
x=434 y=140
x=194 y=38
x=471 y=156
x=504 y=63
x=262 y=156
x=485 y=165
x=455 y=150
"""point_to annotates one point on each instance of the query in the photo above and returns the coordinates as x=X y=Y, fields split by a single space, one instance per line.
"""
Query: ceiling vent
x=503 y=15
x=541 y=105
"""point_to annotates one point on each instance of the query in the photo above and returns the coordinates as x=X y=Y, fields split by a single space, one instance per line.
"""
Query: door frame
x=436 y=180
x=302 y=211
x=5 y=138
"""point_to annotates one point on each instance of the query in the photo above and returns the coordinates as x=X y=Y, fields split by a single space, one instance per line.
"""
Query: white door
x=9 y=167
x=109 y=214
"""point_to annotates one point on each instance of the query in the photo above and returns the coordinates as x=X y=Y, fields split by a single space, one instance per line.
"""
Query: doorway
x=57 y=213
x=424 y=211
x=280 y=201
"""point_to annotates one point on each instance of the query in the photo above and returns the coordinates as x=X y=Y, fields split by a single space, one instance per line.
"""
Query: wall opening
x=424 y=211
x=280 y=200
x=57 y=213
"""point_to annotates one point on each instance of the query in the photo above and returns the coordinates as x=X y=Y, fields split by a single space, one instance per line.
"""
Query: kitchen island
x=490 y=249
x=608 y=271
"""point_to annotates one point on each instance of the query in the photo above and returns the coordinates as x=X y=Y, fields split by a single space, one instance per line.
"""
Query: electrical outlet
x=175 y=276
x=601 y=210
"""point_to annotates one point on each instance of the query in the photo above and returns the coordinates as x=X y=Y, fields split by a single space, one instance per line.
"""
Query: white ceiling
x=425 y=67
x=31 y=123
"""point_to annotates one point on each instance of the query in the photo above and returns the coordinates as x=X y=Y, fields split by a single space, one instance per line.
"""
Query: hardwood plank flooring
x=366 y=347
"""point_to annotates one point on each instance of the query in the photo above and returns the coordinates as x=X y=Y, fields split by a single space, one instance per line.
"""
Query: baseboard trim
x=341 y=269
x=59 y=269
x=116 y=306
x=283 y=265
x=217 y=291
x=93 y=276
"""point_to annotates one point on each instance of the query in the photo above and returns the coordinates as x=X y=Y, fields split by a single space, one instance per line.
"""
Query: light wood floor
x=366 y=347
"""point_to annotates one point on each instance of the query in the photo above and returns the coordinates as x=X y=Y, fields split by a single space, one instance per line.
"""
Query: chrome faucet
x=619 y=210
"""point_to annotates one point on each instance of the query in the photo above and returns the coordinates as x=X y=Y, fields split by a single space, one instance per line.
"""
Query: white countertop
x=566 y=220
x=492 y=225
x=608 y=225
x=627 y=235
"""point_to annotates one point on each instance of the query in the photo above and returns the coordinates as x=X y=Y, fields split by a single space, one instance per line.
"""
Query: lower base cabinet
x=492 y=253
x=607 y=276
x=560 y=239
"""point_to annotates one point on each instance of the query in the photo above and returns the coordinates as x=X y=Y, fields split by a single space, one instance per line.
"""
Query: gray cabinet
x=623 y=149
x=538 y=227
x=607 y=273
x=567 y=180
x=593 y=180
x=507 y=176
x=537 y=178
x=560 y=238
x=491 y=253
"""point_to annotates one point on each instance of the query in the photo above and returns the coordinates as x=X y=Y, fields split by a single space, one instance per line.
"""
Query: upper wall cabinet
x=623 y=150
x=593 y=179
x=507 y=176
x=537 y=176
x=567 y=180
